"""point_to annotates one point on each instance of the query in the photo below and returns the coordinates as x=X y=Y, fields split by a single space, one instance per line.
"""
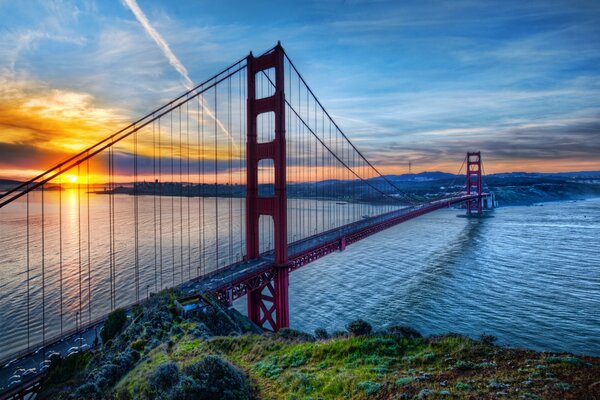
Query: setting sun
x=72 y=178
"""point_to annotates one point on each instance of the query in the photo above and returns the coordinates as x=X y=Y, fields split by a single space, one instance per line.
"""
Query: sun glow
x=72 y=178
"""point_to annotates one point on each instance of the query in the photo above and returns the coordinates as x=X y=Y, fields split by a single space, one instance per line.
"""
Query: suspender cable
x=154 y=184
x=60 y=254
x=187 y=133
x=43 y=271
x=180 y=197
x=172 y=196
x=79 y=236
x=136 y=216
x=160 y=185
x=202 y=213
x=200 y=194
x=216 y=191
x=230 y=171
x=89 y=256
x=28 y=287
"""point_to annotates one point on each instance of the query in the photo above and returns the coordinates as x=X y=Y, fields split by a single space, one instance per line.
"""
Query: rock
x=422 y=377
x=424 y=393
x=498 y=385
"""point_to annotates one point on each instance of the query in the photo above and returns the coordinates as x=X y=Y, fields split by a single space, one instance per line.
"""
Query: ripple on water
x=530 y=276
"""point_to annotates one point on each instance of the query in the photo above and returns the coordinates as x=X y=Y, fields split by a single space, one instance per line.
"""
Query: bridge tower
x=267 y=305
x=474 y=182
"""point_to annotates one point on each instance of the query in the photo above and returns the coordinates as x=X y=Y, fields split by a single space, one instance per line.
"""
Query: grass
x=383 y=366
x=293 y=365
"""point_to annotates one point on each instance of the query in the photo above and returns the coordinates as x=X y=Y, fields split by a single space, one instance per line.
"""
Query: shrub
x=216 y=378
x=564 y=360
x=176 y=331
x=359 y=328
x=369 y=387
x=68 y=368
x=321 y=334
x=89 y=390
x=488 y=340
x=164 y=376
x=464 y=365
x=113 y=325
x=292 y=334
x=138 y=344
x=404 y=331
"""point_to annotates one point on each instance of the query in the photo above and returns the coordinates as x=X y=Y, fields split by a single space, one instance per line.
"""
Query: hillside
x=216 y=355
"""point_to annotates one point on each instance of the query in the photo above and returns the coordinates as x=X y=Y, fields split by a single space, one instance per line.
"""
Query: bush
x=359 y=328
x=464 y=365
x=404 y=331
x=215 y=378
x=488 y=340
x=68 y=368
x=292 y=334
x=369 y=387
x=321 y=334
x=89 y=390
x=138 y=344
x=165 y=376
x=113 y=325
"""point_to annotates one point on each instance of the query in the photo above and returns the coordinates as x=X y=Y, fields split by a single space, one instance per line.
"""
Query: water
x=186 y=232
x=530 y=276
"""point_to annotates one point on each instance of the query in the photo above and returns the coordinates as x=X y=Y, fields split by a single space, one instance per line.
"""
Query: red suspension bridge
x=229 y=188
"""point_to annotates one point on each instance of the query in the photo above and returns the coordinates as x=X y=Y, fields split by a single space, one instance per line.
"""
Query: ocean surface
x=529 y=275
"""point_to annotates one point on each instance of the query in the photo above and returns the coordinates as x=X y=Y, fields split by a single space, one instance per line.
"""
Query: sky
x=424 y=81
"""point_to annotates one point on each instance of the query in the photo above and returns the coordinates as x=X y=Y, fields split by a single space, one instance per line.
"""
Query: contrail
x=172 y=58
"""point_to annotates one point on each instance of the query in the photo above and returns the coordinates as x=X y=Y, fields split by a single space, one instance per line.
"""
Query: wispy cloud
x=173 y=60
x=160 y=42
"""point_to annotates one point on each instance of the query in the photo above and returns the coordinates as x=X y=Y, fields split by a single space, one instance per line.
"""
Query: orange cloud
x=40 y=125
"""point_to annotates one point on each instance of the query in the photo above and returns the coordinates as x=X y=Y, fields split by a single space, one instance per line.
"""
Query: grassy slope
x=384 y=367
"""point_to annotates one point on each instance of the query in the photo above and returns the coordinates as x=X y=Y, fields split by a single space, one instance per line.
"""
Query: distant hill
x=575 y=175
x=9 y=182
x=421 y=177
x=438 y=175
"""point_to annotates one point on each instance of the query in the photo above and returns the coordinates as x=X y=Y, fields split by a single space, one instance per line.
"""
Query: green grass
x=359 y=367
x=290 y=365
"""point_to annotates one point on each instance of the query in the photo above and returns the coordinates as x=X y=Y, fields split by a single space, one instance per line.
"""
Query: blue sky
x=426 y=81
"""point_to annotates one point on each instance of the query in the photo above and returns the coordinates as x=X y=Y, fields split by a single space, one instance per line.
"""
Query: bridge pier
x=267 y=305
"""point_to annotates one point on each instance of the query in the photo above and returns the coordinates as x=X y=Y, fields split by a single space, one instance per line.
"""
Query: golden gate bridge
x=227 y=188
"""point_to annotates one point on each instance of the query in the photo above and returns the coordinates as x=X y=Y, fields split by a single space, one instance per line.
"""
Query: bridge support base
x=268 y=305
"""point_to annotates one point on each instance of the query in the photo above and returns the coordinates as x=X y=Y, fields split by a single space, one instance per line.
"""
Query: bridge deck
x=234 y=281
